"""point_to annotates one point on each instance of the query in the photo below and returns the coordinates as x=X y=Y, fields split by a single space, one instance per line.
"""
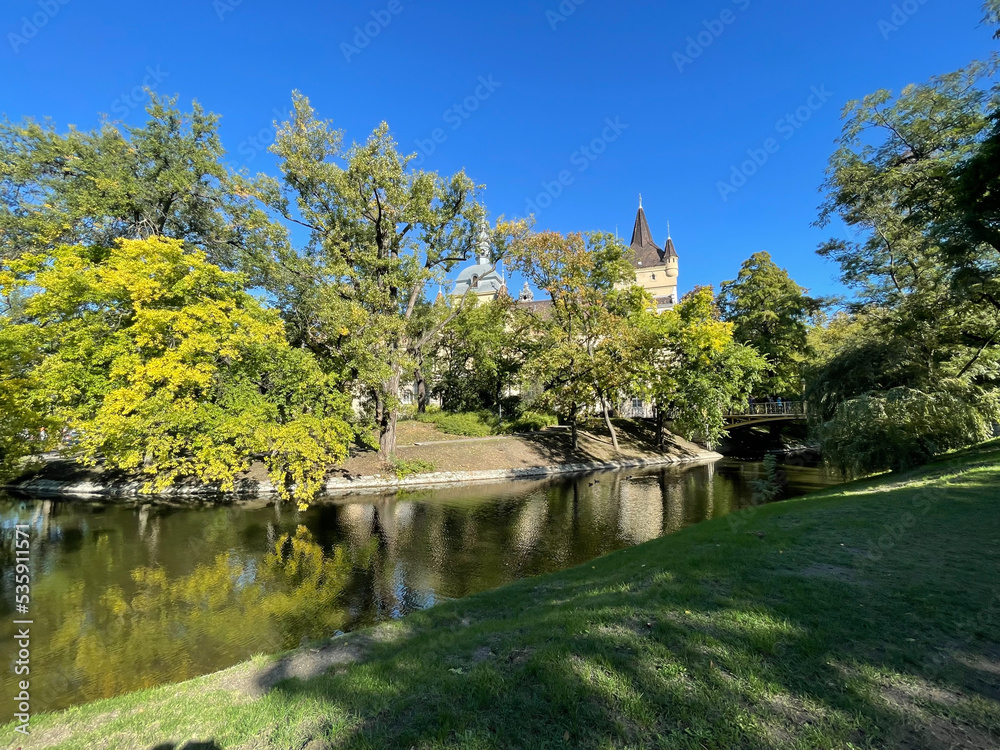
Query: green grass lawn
x=862 y=617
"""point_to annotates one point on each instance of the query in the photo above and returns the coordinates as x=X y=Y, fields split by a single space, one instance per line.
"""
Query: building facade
x=657 y=269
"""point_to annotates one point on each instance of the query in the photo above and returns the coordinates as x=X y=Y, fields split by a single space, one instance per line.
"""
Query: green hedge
x=468 y=424
x=484 y=424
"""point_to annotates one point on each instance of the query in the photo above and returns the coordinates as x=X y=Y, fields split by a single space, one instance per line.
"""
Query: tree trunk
x=422 y=397
x=574 y=431
x=388 y=417
x=611 y=427
x=660 y=424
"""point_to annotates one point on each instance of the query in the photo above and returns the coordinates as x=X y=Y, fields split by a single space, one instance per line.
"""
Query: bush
x=403 y=469
x=531 y=421
x=484 y=423
x=466 y=424
x=903 y=428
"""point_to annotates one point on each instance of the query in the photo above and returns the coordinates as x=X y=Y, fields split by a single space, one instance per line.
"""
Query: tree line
x=163 y=315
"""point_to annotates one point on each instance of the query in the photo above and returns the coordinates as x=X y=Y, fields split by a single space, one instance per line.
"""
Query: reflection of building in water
x=531 y=523
x=149 y=531
x=640 y=515
x=674 y=489
x=357 y=520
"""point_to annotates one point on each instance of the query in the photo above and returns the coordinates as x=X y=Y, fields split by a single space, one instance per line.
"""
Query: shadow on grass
x=195 y=745
x=785 y=640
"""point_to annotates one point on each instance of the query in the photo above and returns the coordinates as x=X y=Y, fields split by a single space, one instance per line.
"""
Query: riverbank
x=442 y=460
x=863 y=616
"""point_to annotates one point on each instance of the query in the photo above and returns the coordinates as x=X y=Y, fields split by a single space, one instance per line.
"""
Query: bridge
x=767 y=413
x=763 y=412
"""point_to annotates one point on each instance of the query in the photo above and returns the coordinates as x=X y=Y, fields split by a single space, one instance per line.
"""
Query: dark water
x=126 y=596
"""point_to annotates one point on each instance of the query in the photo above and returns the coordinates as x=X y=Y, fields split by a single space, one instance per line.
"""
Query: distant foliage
x=770 y=312
x=695 y=370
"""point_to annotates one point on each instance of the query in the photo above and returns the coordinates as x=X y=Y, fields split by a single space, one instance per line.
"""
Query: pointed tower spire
x=669 y=251
x=645 y=251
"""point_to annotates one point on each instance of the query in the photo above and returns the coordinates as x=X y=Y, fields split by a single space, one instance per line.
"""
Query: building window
x=407 y=397
x=653 y=277
x=475 y=282
x=637 y=404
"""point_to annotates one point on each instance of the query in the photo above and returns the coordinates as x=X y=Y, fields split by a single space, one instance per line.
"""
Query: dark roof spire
x=645 y=251
x=669 y=251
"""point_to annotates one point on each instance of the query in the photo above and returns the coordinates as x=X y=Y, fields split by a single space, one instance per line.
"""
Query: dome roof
x=484 y=273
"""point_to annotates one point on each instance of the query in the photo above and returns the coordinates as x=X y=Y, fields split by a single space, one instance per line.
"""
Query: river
x=127 y=595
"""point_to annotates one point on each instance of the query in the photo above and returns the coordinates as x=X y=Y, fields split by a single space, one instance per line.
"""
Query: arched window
x=475 y=282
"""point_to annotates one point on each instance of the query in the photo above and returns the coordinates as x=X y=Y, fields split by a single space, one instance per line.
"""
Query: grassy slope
x=866 y=616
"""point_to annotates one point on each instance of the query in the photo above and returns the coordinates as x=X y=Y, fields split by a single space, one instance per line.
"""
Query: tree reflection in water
x=164 y=629
x=126 y=597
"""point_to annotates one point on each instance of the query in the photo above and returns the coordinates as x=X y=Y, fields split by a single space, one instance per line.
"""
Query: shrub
x=403 y=469
x=903 y=428
x=466 y=424
x=532 y=421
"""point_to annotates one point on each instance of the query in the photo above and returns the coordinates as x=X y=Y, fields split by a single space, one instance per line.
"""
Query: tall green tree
x=159 y=363
x=380 y=233
x=922 y=375
x=164 y=178
x=587 y=341
x=771 y=313
x=480 y=355
x=695 y=371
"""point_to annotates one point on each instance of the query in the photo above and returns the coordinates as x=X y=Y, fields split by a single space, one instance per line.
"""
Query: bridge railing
x=769 y=408
x=640 y=410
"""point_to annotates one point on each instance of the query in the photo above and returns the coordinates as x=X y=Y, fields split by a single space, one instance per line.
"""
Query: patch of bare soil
x=929 y=729
x=550 y=447
x=302 y=664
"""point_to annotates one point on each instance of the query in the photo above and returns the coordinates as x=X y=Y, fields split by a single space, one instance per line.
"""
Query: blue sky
x=568 y=108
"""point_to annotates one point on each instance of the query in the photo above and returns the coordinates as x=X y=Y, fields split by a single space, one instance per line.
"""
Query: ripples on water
x=126 y=596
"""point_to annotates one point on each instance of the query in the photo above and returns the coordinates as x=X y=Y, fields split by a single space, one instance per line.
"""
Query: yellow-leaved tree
x=158 y=363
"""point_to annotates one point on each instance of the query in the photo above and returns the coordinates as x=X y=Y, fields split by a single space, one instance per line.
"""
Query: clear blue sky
x=555 y=80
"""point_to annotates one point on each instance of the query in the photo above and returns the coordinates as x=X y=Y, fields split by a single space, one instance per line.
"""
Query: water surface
x=132 y=595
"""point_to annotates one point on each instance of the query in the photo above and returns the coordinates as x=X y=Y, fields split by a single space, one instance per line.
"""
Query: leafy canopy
x=696 y=371
x=770 y=312
x=159 y=362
